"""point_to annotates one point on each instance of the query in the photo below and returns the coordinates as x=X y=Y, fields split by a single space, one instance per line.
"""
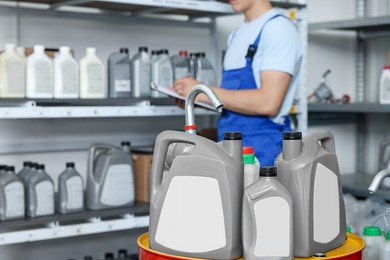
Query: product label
x=75 y=192
x=181 y=72
x=14 y=200
x=122 y=81
x=191 y=200
x=16 y=77
x=122 y=85
x=118 y=187
x=386 y=88
x=326 y=205
x=273 y=229
x=43 y=77
x=207 y=76
x=166 y=76
x=45 y=198
x=95 y=75
x=145 y=79
x=70 y=78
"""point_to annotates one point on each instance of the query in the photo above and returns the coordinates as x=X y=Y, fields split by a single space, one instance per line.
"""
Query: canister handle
x=383 y=162
x=160 y=152
x=325 y=138
x=93 y=149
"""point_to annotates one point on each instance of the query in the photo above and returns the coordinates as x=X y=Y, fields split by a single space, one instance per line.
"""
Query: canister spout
x=190 y=105
x=377 y=181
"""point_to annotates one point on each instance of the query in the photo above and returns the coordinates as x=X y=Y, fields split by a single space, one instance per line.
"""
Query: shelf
x=357 y=185
x=348 y=108
x=150 y=9
x=362 y=24
x=51 y=108
x=76 y=224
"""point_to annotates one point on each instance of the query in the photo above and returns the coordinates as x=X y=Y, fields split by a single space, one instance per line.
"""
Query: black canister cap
x=155 y=52
x=70 y=165
x=268 y=171
x=292 y=136
x=232 y=136
x=124 y=50
x=2 y=167
x=122 y=252
x=34 y=165
x=41 y=167
x=192 y=54
x=27 y=164
x=164 y=51
x=10 y=168
x=143 y=49
x=109 y=256
x=125 y=143
x=88 y=257
x=202 y=54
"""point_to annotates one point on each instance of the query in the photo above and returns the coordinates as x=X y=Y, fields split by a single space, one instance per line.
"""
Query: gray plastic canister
x=12 y=199
x=40 y=193
x=268 y=228
x=140 y=74
x=119 y=78
x=110 y=178
x=70 y=190
x=196 y=211
x=309 y=170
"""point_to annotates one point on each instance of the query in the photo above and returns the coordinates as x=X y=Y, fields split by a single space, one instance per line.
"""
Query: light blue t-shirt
x=279 y=49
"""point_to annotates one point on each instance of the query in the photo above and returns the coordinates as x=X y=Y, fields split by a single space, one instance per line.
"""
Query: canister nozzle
x=190 y=126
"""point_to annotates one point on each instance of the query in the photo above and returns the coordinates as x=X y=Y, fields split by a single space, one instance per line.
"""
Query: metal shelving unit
x=366 y=28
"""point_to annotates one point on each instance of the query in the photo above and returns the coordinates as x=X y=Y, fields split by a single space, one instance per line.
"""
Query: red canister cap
x=183 y=53
x=247 y=150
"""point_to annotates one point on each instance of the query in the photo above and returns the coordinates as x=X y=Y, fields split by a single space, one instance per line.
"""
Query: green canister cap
x=372 y=231
x=248 y=158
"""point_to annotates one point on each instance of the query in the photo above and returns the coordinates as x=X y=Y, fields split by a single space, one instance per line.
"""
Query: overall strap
x=253 y=47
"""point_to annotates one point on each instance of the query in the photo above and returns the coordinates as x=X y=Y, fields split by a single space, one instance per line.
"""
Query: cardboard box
x=142 y=165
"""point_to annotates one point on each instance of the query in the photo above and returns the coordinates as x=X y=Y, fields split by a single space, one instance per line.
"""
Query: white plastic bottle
x=373 y=237
x=251 y=170
x=12 y=74
x=384 y=86
x=384 y=249
x=39 y=74
x=92 y=82
x=22 y=53
x=66 y=75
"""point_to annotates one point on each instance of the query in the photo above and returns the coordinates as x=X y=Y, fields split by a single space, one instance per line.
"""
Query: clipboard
x=170 y=92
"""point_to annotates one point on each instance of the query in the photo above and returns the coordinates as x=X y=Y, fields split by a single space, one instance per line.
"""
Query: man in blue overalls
x=259 y=79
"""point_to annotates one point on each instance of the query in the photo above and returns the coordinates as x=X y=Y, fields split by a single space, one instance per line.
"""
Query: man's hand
x=184 y=85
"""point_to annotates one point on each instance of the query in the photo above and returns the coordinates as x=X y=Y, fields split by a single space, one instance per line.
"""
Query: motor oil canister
x=140 y=74
x=40 y=193
x=22 y=174
x=119 y=78
x=268 y=228
x=11 y=195
x=196 y=211
x=70 y=190
x=110 y=178
x=309 y=170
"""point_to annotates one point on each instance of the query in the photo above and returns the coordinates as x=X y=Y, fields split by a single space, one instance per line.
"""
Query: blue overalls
x=260 y=132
